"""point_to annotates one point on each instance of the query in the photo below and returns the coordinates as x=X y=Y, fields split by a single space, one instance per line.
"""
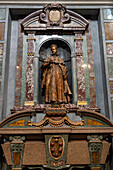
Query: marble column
x=80 y=69
x=30 y=69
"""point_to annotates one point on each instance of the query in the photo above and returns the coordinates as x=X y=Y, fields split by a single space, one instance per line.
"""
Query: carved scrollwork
x=54 y=15
x=43 y=17
x=66 y=18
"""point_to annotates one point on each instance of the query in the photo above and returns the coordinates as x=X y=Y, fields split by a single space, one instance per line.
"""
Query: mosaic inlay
x=109 y=47
x=110 y=66
x=109 y=31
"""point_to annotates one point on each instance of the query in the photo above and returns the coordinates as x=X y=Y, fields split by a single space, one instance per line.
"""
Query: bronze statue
x=54 y=83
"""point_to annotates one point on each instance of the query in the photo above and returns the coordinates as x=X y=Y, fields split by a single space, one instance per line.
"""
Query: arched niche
x=55 y=19
x=63 y=51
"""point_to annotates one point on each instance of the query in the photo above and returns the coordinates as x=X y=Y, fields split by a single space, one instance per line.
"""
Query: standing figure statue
x=54 y=84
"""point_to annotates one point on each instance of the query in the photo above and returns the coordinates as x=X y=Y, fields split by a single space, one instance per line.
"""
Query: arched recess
x=63 y=51
x=66 y=23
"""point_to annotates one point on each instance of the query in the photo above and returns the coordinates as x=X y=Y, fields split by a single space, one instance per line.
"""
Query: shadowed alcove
x=63 y=51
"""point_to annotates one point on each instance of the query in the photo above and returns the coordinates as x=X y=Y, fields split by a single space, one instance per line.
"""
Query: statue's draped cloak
x=54 y=83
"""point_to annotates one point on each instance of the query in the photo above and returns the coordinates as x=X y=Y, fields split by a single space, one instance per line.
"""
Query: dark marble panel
x=2 y=13
x=19 y=67
x=1 y=48
x=91 y=66
x=109 y=48
x=2 y=30
x=110 y=67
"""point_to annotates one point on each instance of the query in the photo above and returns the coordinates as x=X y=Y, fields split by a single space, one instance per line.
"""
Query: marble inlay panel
x=91 y=66
x=110 y=66
x=108 y=13
x=80 y=69
x=2 y=30
x=109 y=31
x=112 y=103
x=1 y=48
x=2 y=13
x=0 y=68
x=111 y=87
x=19 y=67
x=30 y=68
x=30 y=78
x=80 y=78
x=109 y=48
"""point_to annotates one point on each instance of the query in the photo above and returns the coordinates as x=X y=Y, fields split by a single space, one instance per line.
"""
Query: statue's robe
x=54 y=83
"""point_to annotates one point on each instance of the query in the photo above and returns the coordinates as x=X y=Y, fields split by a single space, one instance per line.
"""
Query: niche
x=63 y=51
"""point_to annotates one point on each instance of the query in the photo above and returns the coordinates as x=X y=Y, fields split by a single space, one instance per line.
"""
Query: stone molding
x=38 y=2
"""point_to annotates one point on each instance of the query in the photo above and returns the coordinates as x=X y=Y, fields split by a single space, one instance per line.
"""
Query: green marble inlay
x=86 y=71
x=24 y=67
x=110 y=66
x=2 y=13
x=108 y=13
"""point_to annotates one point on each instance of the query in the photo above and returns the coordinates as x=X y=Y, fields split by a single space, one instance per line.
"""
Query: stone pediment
x=54 y=17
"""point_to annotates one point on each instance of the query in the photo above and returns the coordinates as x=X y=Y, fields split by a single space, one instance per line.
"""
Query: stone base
x=95 y=168
x=16 y=168
x=29 y=103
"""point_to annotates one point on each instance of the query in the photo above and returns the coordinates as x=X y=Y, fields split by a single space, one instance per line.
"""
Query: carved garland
x=64 y=120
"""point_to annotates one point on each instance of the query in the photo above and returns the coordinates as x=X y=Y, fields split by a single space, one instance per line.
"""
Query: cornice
x=66 y=2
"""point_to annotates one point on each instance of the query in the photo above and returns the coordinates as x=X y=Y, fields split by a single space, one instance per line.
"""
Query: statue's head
x=54 y=49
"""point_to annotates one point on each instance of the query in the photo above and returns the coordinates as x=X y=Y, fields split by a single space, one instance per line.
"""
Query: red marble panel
x=19 y=67
x=80 y=69
x=80 y=79
x=2 y=30
x=30 y=78
x=30 y=68
x=109 y=48
x=91 y=66
x=109 y=31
